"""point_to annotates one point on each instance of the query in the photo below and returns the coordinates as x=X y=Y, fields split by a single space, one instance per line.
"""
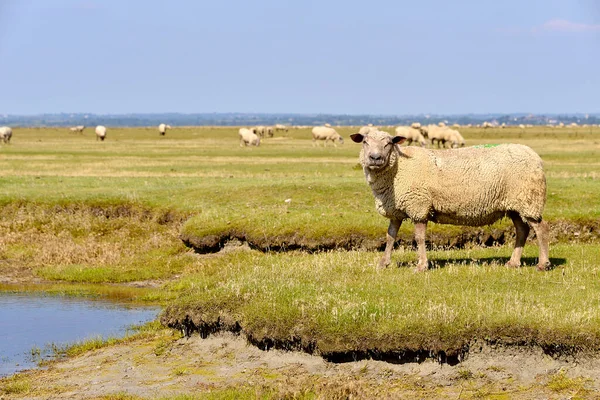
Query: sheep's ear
x=398 y=139
x=357 y=137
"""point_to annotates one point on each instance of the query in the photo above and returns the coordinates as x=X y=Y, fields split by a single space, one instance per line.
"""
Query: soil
x=156 y=367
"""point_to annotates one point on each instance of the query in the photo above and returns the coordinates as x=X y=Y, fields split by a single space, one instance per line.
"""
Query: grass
x=338 y=301
x=87 y=215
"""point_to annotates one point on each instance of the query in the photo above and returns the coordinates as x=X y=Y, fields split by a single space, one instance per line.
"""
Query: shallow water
x=29 y=321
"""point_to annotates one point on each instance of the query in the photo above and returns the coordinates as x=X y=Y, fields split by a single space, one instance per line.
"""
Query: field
x=279 y=244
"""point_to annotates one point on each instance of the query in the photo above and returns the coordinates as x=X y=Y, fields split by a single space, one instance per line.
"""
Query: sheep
x=280 y=127
x=415 y=125
x=521 y=126
x=366 y=129
x=326 y=133
x=259 y=130
x=269 y=131
x=453 y=138
x=5 y=133
x=474 y=186
x=248 y=138
x=411 y=134
x=77 y=129
x=100 y=132
x=436 y=133
x=162 y=129
x=328 y=125
x=441 y=124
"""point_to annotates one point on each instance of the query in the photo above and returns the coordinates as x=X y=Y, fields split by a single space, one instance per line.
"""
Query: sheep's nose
x=375 y=156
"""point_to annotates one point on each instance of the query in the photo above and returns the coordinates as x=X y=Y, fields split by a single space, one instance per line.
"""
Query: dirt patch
x=560 y=231
x=152 y=368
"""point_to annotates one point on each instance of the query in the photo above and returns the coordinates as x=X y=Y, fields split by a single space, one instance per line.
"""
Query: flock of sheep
x=252 y=136
x=101 y=130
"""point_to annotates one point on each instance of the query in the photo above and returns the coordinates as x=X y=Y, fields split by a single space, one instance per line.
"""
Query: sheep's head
x=377 y=147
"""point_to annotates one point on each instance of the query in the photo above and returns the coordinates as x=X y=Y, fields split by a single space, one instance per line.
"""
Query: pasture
x=285 y=238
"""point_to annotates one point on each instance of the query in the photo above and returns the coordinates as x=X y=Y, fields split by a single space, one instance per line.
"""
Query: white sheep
x=366 y=129
x=5 y=133
x=453 y=138
x=269 y=131
x=473 y=186
x=415 y=125
x=259 y=130
x=100 y=132
x=248 y=138
x=280 y=127
x=77 y=129
x=325 y=133
x=162 y=129
x=436 y=134
x=411 y=134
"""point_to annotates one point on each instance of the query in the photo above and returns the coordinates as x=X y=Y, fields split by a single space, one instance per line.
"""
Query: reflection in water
x=29 y=321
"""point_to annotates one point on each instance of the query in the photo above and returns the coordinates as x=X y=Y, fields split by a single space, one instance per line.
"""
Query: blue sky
x=299 y=56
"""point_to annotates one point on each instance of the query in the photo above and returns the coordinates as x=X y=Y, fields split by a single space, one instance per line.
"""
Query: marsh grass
x=338 y=301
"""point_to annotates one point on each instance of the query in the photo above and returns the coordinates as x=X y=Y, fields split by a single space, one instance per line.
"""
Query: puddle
x=33 y=321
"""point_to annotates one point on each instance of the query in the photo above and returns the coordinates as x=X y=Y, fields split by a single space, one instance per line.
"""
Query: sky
x=385 y=57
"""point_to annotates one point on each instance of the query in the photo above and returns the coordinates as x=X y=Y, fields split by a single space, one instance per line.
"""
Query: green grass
x=340 y=302
x=95 y=214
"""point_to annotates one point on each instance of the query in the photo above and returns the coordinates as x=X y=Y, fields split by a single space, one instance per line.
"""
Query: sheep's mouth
x=376 y=164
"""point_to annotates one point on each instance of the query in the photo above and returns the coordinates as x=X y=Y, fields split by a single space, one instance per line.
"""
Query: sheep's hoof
x=383 y=264
x=546 y=266
x=422 y=266
x=513 y=264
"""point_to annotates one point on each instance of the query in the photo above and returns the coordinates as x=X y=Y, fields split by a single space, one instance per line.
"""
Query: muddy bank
x=225 y=366
x=560 y=231
x=447 y=352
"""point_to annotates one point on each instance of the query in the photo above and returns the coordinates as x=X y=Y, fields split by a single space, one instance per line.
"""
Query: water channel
x=33 y=321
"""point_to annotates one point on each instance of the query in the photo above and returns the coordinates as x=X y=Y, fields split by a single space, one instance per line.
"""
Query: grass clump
x=15 y=385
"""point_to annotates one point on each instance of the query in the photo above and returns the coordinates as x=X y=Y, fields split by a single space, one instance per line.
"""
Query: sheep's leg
x=541 y=231
x=522 y=230
x=420 y=229
x=389 y=243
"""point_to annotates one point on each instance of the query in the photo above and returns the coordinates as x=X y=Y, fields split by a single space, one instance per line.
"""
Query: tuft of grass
x=560 y=382
x=15 y=385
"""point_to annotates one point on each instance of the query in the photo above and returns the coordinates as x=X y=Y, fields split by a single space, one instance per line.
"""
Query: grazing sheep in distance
x=269 y=131
x=5 y=133
x=521 y=126
x=453 y=138
x=100 y=132
x=248 y=138
x=280 y=127
x=162 y=129
x=77 y=129
x=326 y=133
x=366 y=129
x=411 y=134
x=473 y=186
x=259 y=130
x=328 y=125
x=415 y=125
x=436 y=133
